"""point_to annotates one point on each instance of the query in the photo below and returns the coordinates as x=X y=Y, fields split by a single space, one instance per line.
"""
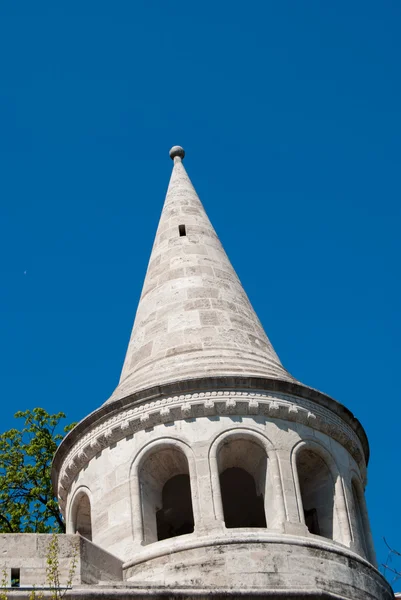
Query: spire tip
x=177 y=151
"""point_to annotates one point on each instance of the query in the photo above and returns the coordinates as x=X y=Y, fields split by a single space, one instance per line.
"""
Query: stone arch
x=80 y=520
x=244 y=471
x=162 y=491
x=360 y=520
x=320 y=492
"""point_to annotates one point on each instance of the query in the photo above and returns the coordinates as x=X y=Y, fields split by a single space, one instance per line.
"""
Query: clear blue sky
x=290 y=113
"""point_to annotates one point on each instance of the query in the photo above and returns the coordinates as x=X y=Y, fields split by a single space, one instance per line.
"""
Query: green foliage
x=27 y=503
x=34 y=595
x=3 y=585
x=53 y=569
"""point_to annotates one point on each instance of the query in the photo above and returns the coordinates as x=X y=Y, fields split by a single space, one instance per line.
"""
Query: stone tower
x=211 y=470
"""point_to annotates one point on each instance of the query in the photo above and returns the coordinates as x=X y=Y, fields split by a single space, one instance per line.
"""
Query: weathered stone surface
x=273 y=567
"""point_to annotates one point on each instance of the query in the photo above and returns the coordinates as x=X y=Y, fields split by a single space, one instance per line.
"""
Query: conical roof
x=194 y=318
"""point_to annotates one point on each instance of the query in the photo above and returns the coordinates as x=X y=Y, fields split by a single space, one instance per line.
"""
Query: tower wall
x=123 y=463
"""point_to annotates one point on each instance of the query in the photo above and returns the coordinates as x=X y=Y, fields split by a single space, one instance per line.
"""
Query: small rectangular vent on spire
x=182 y=230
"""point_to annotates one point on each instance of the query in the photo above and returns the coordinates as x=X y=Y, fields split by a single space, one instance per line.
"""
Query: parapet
x=24 y=560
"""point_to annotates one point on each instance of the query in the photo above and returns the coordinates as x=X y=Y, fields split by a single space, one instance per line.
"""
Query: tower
x=211 y=470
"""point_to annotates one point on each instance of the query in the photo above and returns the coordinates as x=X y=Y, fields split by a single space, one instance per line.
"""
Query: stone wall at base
x=126 y=593
x=28 y=552
x=263 y=567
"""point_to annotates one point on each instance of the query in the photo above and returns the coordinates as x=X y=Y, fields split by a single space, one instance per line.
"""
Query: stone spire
x=194 y=318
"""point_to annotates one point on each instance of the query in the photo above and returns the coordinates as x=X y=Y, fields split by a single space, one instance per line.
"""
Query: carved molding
x=195 y=405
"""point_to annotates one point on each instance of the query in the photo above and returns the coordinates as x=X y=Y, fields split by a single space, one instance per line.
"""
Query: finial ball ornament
x=177 y=151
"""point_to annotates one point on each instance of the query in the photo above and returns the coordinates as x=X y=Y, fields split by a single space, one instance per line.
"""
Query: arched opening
x=317 y=492
x=243 y=507
x=242 y=468
x=176 y=516
x=166 y=499
x=82 y=519
x=359 y=525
